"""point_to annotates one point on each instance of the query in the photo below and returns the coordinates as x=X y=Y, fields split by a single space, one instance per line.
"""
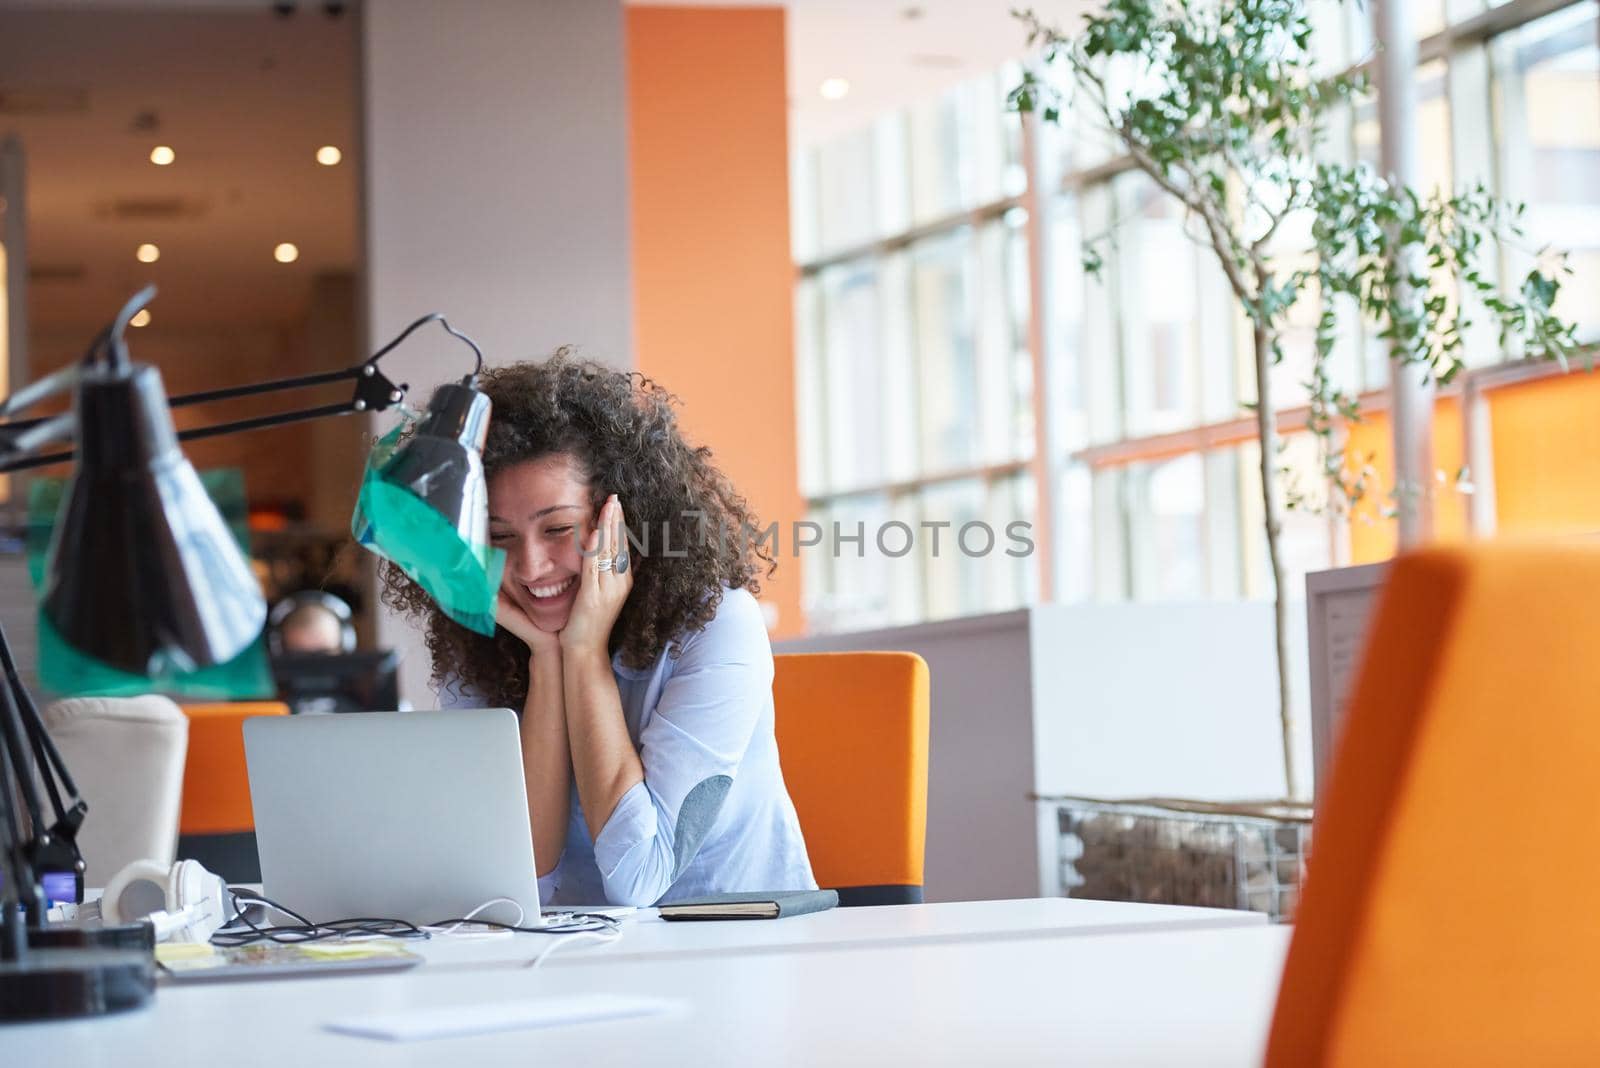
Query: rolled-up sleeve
x=691 y=749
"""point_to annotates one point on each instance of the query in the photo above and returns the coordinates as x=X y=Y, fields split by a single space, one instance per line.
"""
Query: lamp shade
x=425 y=506
x=143 y=573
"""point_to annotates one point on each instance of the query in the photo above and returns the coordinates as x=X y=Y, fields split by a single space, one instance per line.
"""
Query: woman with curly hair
x=630 y=638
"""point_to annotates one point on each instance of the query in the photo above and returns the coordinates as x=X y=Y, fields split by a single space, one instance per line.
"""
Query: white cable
x=605 y=937
x=167 y=923
x=453 y=928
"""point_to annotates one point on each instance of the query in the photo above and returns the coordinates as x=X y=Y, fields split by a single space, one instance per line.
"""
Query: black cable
x=96 y=348
x=336 y=930
x=307 y=931
x=424 y=321
x=256 y=899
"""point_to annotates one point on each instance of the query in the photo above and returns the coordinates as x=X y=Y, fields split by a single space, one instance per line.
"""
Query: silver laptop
x=418 y=816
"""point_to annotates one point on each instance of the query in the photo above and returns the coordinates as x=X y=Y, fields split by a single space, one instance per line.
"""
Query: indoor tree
x=1219 y=103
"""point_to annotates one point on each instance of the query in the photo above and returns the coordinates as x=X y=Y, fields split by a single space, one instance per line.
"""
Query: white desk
x=647 y=936
x=1173 y=995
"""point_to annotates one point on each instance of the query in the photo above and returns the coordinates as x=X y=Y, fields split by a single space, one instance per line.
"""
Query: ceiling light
x=142 y=319
x=329 y=155
x=286 y=253
x=162 y=155
x=147 y=253
x=834 y=88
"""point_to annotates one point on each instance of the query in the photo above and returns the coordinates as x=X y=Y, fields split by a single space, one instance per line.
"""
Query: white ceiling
x=892 y=52
x=896 y=52
x=246 y=97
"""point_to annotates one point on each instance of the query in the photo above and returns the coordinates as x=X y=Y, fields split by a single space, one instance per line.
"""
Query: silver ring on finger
x=605 y=563
x=622 y=562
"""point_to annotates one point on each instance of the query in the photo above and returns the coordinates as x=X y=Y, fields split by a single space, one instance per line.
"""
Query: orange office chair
x=853 y=738
x=216 y=825
x=1451 y=913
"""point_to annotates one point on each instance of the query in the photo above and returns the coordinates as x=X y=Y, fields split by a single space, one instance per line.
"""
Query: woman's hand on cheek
x=601 y=591
x=510 y=615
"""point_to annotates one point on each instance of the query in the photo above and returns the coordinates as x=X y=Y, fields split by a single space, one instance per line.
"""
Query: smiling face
x=540 y=513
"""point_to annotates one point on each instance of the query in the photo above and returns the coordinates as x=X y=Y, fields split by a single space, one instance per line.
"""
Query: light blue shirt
x=712 y=814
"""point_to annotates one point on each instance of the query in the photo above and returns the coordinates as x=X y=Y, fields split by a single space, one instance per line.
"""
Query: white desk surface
x=646 y=935
x=1173 y=995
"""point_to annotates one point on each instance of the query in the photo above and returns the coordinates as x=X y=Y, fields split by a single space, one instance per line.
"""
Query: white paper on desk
x=413 y=1025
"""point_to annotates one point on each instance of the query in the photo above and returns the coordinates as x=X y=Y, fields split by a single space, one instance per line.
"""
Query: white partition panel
x=1142 y=700
x=1111 y=701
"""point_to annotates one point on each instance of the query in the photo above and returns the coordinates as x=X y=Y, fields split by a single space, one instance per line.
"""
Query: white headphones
x=185 y=903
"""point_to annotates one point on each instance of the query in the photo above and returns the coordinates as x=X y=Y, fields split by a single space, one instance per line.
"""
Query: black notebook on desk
x=752 y=905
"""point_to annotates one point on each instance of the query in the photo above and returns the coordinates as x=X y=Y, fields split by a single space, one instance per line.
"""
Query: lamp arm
x=16 y=757
x=16 y=872
x=52 y=766
x=276 y=386
x=19 y=753
x=374 y=392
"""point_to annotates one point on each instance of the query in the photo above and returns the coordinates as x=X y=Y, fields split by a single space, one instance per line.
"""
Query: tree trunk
x=1267 y=432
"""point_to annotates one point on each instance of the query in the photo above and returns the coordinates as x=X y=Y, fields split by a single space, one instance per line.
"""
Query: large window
x=918 y=382
x=916 y=377
x=1546 y=116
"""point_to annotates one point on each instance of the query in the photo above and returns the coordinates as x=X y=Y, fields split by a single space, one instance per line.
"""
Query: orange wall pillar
x=712 y=275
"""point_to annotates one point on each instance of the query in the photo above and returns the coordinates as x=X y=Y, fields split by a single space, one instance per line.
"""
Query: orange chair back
x=853 y=738
x=216 y=786
x=1447 y=916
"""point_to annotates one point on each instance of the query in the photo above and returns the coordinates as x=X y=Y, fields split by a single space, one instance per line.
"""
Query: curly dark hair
x=622 y=432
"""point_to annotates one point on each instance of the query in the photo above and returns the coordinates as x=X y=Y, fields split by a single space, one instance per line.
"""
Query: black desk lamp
x=143 y=574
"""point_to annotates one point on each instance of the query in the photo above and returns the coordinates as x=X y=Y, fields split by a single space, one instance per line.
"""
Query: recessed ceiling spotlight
x=162 y=155
x=834 y=88
x=147 y=253
x=329 y=155
x=286 y=253
x=141 y=319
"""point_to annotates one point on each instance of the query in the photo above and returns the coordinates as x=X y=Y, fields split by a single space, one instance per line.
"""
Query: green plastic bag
x=461 y=575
